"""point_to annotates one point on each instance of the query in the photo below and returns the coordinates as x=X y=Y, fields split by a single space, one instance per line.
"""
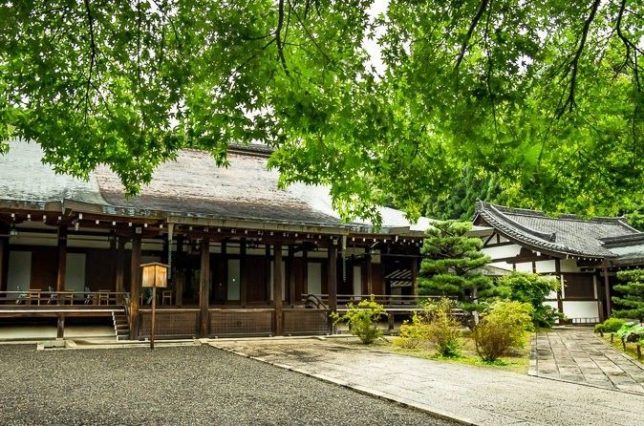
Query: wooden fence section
x=241 y=322
x=170 y=323
x=306 y=321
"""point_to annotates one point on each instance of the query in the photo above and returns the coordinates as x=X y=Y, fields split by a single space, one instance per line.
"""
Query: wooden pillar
x=60 y=326
x=178 y=276
x=204 y=287
x=267 y=268
x=277 y=289
x=135 y=286
x=305 y=272
x=119 y=270
x=332 y=277
x=290 y=275
x=62 y=258
x=560 y=292
x=414 y=276
x=243 y=277
x=4 y=257
x=609 y=305
x=368 y=273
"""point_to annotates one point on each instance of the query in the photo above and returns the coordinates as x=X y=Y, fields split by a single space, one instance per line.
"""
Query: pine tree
x=453 y=263
x=631 y=299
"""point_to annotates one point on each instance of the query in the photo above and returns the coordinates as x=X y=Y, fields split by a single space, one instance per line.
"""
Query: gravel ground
x=181 y=385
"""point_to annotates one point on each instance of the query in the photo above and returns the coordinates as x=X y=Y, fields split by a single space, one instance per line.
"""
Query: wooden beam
x=62 y=258
x=135 y=286
x=267 y=268
x=277 y=289
x=204 y=288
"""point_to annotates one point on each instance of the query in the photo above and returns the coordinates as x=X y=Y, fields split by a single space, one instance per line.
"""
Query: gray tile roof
x=191 y=186
x=565 y=235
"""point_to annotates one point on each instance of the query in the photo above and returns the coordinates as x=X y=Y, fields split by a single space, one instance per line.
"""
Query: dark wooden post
x=119 y=270
x=561 y=285
x=204 y=287
x=4 y=254
x=62 y=258
x=267 y=268
x=305 y=272
x=178 y=276
x=609 y=306
x=290 y=275
x=60 y=326
x=414 y=276
x=277 y=289
x=243 y=277
x=368 y=271
x=135 y=286
x=332 y=277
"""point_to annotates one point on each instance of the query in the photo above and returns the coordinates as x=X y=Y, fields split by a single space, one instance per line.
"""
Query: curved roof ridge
x=548 y=236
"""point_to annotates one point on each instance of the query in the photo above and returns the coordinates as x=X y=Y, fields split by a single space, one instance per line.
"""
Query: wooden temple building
x=246 y=258
x=584 y=253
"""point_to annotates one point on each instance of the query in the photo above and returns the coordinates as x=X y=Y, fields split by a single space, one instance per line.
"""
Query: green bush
x=413 y=333
x=631 y=332
x=363 y=319
x=442 y=329
x=532 y=289
x=502 y=328
x=611 y=325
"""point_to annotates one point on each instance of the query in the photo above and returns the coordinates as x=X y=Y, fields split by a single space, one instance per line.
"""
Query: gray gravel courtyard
x=181 y=385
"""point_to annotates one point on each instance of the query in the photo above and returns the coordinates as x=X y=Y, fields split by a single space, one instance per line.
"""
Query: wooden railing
x=387 y=300
x=45 y=297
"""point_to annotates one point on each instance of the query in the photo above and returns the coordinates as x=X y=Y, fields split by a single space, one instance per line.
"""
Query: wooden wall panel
x=305 y=321
x=99 y=269
x=241 y=322
x=170 y=323
x=44 y=267
x=254 y=270
x=377 y=279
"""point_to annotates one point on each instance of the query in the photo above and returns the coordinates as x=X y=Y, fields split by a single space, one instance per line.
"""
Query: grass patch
x=631 y=348
x=516 y=362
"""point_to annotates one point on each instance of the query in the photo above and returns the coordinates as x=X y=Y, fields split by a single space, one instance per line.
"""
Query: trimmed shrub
x=443 y=330
x=532 y=289
x=631 y=332
x=413 y=333
x=611 y=325
x=363 y=319
x=502 y=328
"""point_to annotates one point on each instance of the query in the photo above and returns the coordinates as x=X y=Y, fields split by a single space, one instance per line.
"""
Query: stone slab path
x=472 y=395
x=578 y=355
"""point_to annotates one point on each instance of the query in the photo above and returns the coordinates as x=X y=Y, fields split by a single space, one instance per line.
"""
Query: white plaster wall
x=357 y=280
x=503 y=265
x=19 y=274
x=501 y=252
x=546 y=266
x=314 y=277
x=569 y=265
x=75 y=272
x=524 y=267
x=580 y=309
